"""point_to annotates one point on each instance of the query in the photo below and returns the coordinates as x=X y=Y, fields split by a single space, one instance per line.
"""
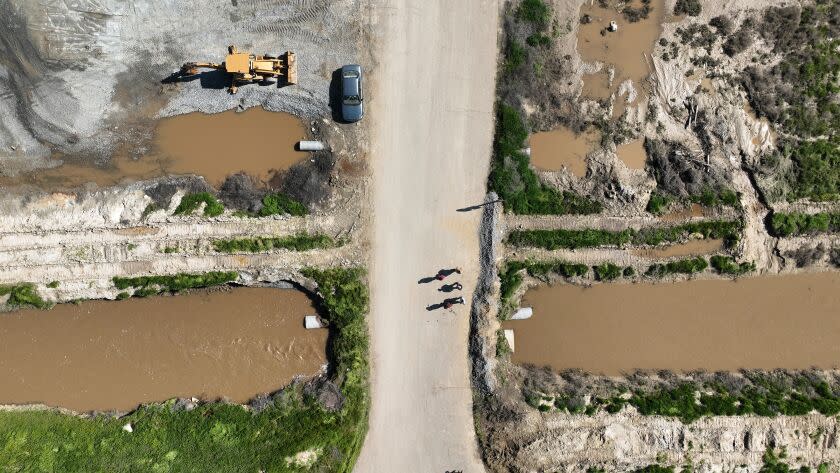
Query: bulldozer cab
x=238 y=63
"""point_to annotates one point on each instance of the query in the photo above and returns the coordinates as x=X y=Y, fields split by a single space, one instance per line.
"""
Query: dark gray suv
x=351 y=93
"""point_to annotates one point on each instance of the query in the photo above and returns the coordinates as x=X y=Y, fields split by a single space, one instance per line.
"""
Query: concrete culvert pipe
x=310 y=145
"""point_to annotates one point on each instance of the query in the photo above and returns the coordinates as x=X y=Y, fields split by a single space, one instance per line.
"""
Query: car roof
x=351 y=85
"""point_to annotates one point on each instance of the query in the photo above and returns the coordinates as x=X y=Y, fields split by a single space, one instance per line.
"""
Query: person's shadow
x=426 y=280
x=432 y=307
x=450 y=287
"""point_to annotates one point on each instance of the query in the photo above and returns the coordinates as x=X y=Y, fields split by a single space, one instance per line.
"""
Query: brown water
x=214 y=146
x=691 y=248
x=115 y=355
x=633 y=154
x=626 y=48
x=556 y=149
x=788 y=322
x=695 y=210
x=596 y=86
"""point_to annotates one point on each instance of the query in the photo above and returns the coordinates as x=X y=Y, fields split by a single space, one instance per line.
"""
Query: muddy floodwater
x=627 y=49
x=690 y=248
x=633 y=154
x=562 y=148
x=255 y=141
x=103 y=355
x=790 y=322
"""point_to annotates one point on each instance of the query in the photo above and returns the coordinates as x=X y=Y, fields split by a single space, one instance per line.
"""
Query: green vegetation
x=148 y=285
x=589 y=238
x=657 y=203
x=502 y=346
x=190 y=202
x=515 y=182
x=687 y=7
x=24 y=295
x=713 y=198
x=607 y=271
x=538 y=39
x=536 y=12
x=807 y=114
x=149 y=209
x=683 y=266
x=787 y=224
x=278 y=204
x=216 y=437
x=762 y=396
x=655 y=469
x=299 y=242
x=53 y=284
x=816 y=169
x=633 y=15
x=170 y=249
x=123 y=295
x=728 y=265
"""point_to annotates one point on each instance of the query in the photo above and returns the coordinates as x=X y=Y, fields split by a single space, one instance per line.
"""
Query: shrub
x=174 y=283
x=657 y=203
x=788 y=224
x=816 y=172
x=123 y=295
x=723 y=25
x=278 y=204
x=515 y=182
x=635 y=14
x=728 y=265
x=589 y=238
x=536 y=12
x=684 y=266
x=738 y=42
x=299 y=242
x=23 y=295
x=190 y=202
x=538 y=39
x=502 y=346
x=687 y=7
x=53 y=284
x=607 y=271
x=629 y=272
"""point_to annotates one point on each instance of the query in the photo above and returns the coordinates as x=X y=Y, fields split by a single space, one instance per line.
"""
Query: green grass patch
x=655 y=469
x=24 y=295
x=657 y=203
x=514 y=181
x=536 y=12
x=53 y=284
x=502 y=345
x=607 y=271
x=787 y=224
x=728 y=265
x=714 y=198
x=148 y=285
x=190 y=202
x=299 y=242
x=216 y=437
x=683 y=266
x=170 y=249
x=590 y=238
x=816 y=169
x=279 y=204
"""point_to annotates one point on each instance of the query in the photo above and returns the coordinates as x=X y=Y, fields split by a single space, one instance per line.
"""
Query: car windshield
x=352 y=100
x=349 y=74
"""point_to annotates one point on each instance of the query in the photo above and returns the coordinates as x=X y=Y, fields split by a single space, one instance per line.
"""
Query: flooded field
x=556 y=149
x=633 y=154
x=691 y=248
x=214 y=146
x=786 y=322
x=627 y=49
x=115 y=355
x=694 y=210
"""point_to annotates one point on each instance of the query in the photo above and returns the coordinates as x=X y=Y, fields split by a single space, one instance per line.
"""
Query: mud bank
x=102 y=355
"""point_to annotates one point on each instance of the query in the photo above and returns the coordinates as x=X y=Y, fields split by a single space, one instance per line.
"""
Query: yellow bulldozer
x=246 y=68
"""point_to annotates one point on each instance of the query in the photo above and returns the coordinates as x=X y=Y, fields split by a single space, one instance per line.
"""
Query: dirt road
x=432 y=111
